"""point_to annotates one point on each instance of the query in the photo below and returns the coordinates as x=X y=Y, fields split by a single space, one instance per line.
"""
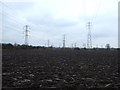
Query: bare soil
x=60 y=68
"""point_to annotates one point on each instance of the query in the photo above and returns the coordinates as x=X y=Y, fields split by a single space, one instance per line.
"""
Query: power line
x=84 y=6
x=7 y=17
x=97 y=10
x=9 y=27
x=10 y=13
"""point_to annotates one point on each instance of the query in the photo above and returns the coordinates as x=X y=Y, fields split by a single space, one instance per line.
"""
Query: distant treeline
x=11 y=46
x=15 y=46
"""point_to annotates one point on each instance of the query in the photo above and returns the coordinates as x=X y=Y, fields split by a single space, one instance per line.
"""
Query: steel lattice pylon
x=89 y=41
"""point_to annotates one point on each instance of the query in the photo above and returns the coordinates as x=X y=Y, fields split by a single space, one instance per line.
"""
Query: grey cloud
x=48 y=20
x=100 y=35
x=46 y=24
x=19 y=5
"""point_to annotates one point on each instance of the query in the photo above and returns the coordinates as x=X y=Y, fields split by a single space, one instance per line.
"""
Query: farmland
x=60 y=68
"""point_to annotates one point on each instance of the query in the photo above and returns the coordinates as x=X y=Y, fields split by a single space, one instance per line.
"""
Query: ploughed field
x=59 y=68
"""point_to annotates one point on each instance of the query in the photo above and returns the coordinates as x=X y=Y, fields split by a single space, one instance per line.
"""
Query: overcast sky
x=51 y=19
